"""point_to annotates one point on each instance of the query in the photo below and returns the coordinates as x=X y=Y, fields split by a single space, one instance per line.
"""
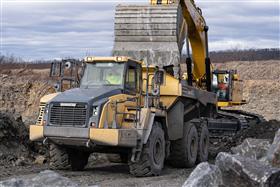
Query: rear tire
x=184 y=151
x=78 y=159
x=59 y=159
x=203 y=144
x=152 y=158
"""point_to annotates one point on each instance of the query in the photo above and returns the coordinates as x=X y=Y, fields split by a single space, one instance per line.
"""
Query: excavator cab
x=161 y=2
x=228 y=87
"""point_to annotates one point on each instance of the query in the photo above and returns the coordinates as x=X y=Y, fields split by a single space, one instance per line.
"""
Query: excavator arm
x=196 y=28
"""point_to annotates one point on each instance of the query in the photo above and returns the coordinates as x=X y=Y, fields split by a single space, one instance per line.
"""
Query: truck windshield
x=103 y=74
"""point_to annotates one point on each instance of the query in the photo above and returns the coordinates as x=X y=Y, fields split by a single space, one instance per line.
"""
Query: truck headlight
x=45 y=116
x=46 y=109
x=95 y=111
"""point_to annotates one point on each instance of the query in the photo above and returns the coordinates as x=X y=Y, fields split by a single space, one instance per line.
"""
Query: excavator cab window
x=161 y=2
x=221 y=85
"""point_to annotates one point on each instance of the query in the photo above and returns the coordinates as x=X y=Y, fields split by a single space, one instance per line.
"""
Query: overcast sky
x=37 y=29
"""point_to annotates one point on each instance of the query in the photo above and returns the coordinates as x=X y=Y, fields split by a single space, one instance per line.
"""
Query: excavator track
x=230 y=122
x=256 y=117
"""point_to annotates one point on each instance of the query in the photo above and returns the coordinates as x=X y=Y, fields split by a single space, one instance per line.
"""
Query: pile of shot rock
x=15 y=147
x=265 y=130
x=13 y=139
x=45 y=178
x=255 y=162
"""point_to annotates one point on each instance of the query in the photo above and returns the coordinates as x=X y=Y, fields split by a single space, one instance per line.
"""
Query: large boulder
x=43 y=179
x=252 y=148
x=273 y=154
x=204 y=175
x=245 y=172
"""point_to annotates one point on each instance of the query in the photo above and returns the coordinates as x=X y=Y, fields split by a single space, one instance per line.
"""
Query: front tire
x=78 y=160
x=59 y=159
x=152 y=158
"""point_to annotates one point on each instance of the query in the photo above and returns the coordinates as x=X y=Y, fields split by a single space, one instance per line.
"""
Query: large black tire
x=203 y=144
x=152 y=158
x=59 y=159
x=183 y=152
x=78 y=159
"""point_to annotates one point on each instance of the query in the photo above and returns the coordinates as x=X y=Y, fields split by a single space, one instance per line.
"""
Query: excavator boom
x=196 y=27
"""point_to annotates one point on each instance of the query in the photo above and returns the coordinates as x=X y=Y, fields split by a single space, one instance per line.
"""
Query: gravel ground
x=109 y=174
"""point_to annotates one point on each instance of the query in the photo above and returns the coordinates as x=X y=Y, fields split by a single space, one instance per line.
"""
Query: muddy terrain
x=21 y=89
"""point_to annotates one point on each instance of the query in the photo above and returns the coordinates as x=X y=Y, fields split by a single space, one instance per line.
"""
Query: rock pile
x=15 y=146
x=265 y=130
x=255 y=162
x=273 y=154
x=45 y=178
x=14 y=142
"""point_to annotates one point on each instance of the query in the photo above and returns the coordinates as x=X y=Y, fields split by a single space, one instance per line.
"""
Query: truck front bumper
x=82 y=136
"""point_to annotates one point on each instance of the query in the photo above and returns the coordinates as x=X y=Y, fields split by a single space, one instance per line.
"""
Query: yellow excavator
x=137 y=103
x=157 y=34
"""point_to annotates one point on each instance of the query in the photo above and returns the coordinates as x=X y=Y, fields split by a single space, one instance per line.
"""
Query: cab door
x=132 y=89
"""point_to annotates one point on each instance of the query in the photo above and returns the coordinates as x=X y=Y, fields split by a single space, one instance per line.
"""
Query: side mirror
x=159 y=77
x=68 y=65
x=57 y=87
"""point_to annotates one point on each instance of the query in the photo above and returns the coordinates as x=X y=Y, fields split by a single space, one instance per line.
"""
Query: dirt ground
x=108 y=174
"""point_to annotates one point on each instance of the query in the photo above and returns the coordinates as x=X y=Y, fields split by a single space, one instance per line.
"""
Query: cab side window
x=130 y=78
x=132 y=84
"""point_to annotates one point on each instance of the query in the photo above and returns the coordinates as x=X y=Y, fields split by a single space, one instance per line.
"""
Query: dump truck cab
x=78 y=117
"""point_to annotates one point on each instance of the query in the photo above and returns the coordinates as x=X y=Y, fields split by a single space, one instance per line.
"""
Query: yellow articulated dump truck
x=124 y=106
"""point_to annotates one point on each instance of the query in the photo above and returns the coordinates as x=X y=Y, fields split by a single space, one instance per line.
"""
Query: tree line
x=216 y=57
x=245 y=55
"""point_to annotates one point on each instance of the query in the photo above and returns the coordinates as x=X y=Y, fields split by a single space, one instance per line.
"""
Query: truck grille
x=61 y=115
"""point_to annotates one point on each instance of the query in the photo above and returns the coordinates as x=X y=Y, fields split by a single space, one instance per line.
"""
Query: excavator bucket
x=154 y=33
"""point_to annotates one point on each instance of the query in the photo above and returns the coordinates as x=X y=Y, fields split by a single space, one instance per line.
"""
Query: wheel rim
x=157 y=151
